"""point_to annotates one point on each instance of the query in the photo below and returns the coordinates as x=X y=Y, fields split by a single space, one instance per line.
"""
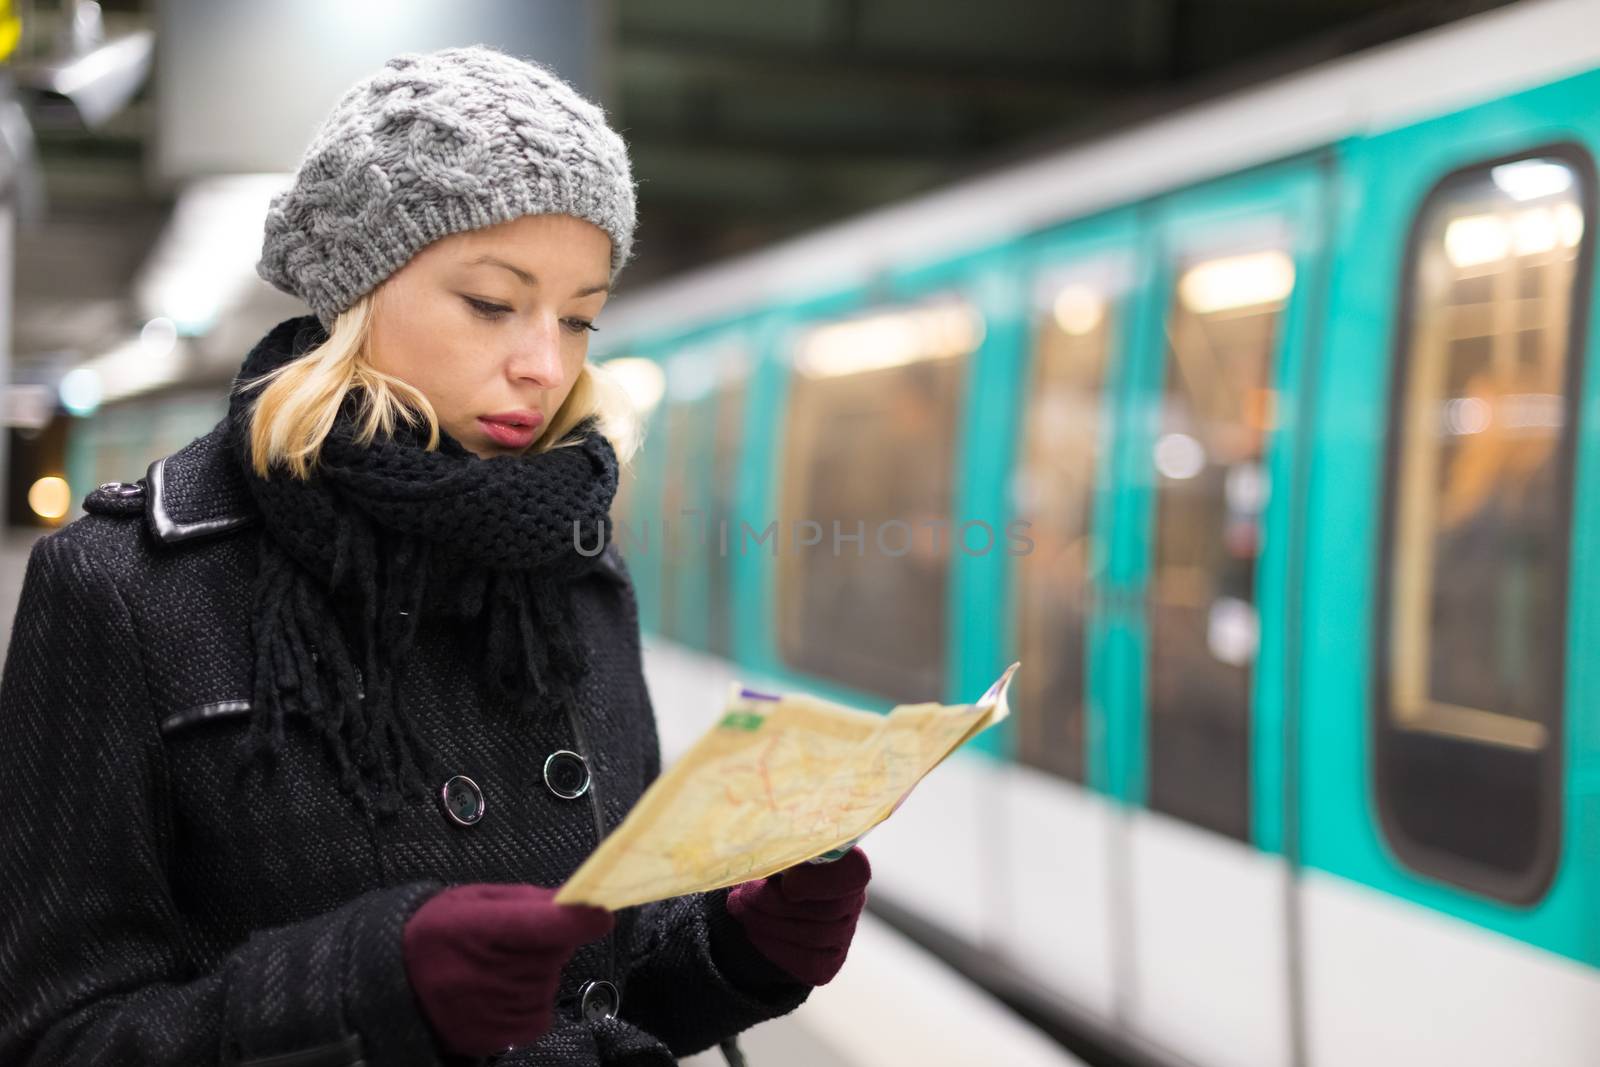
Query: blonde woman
x=301 y=730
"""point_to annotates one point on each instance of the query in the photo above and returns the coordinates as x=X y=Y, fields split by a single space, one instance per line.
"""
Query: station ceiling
x=752 y=121
x=748 y=122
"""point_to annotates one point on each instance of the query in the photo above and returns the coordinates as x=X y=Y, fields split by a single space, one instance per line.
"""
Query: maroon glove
x=485 y=961
x=803 y=918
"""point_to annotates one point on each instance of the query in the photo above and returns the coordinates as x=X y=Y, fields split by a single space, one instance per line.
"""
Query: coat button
x=462 y=799
x=599 y=1000
x=566 y=774
x=125 y=489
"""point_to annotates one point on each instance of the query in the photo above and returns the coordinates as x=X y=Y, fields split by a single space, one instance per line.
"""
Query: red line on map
x=766 y=778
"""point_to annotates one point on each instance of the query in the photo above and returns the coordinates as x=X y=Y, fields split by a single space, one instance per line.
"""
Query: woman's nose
x=536 y=356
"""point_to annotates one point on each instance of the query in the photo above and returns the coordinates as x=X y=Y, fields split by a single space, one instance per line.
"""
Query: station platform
x=895 y=1005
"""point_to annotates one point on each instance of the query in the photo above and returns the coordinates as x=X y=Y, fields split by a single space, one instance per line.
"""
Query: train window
x=1472 y=632
x=705 y=409
x=677 y=537
x=1217 y=408
x=727 y=417
x=1053 y=491
x=864 y=520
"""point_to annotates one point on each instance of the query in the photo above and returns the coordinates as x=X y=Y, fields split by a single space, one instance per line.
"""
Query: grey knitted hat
x=433 y=144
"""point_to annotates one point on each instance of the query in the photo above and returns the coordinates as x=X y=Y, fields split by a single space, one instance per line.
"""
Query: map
x=779 y=780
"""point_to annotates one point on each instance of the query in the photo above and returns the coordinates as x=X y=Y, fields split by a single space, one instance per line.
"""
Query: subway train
x=1264 y=435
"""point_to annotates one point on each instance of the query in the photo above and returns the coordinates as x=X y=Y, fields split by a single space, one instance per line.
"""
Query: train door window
x=1473 y=591
x=727 y=417
x=865 y=515
x=677 y=489
x=1217 y=409
x=691 y=379
x=1053 y=490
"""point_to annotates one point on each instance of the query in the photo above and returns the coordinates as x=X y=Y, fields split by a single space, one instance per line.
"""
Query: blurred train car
x=1291 y=390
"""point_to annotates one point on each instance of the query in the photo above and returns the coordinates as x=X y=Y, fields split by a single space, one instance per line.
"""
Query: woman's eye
x=486 y=309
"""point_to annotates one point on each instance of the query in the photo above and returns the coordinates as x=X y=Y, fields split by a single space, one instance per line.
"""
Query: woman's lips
x=508 y=435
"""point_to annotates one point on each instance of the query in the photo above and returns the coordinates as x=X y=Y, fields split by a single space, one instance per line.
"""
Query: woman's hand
x=485 y=961
x=803 y=918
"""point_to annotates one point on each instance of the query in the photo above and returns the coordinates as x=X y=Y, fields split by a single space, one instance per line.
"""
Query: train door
x=1210 y=470
x=879 y=420
x=700 y=433
x=1059 y=925
x=1452 y=749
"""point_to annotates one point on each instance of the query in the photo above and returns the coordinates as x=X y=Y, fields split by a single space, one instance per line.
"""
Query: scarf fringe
x=304 y=667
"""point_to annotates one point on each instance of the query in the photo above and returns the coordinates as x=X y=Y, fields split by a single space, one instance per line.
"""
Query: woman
x=301 y=729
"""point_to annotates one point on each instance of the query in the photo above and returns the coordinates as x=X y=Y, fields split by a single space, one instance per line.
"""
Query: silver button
x=462 y=800
x=122 y=488
x=566 y=774
x=599 y=1000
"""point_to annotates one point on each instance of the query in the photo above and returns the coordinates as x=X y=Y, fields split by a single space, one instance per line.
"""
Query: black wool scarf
x=382 y=534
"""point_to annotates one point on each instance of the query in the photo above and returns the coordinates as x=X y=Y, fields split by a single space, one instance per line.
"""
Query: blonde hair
x=300 y=401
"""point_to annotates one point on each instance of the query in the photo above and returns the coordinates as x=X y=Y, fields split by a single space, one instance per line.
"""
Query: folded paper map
x=779 y=780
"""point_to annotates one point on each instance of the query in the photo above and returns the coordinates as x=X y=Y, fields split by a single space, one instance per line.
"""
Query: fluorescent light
x=1531 y=179
x=1078 y=309
x=1533 y=231
x=204 y=261
x=1569 y=224
x=1237 y=282
x=1473 y=240
x=890 y=339
x=642 y=379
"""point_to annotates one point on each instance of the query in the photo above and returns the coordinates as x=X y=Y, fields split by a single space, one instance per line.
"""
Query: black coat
x=158 y=908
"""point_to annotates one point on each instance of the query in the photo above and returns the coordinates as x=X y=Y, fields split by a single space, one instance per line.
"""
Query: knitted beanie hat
x=434 y=144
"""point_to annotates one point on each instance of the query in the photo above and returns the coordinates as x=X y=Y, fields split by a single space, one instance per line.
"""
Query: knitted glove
x=803 y=918
x=485 y=961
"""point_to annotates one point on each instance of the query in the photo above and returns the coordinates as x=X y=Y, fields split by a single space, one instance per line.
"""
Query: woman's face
x=493 y=324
